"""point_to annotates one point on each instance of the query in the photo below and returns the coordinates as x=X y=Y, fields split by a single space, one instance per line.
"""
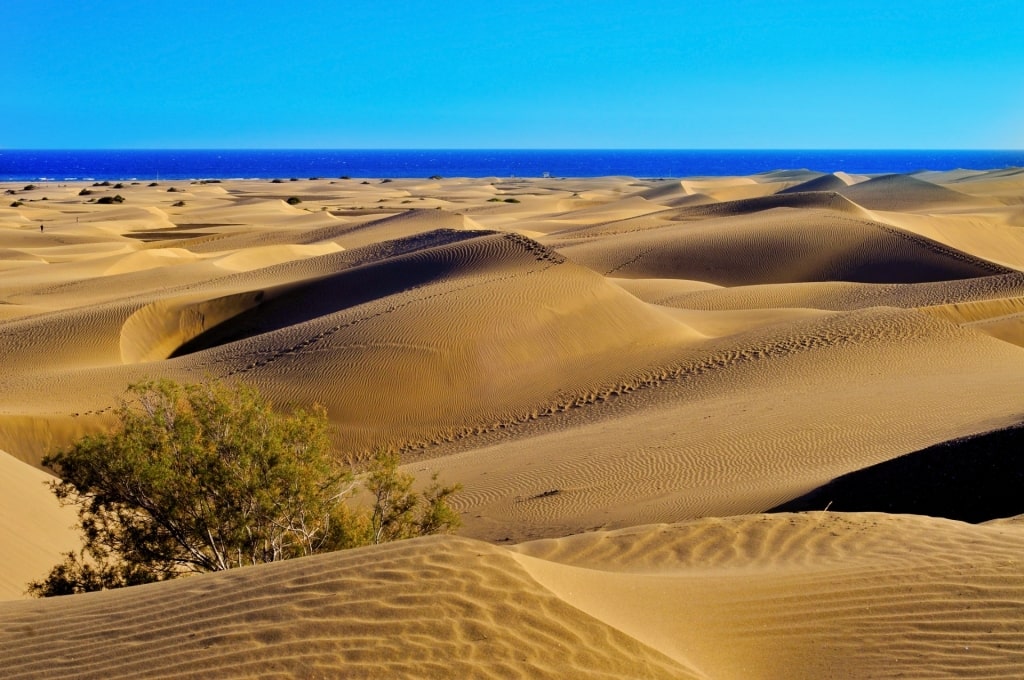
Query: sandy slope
x=35 y=530
x=786 y=596
x=580 y=355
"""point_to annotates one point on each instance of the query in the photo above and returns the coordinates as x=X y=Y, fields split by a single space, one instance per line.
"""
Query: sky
x=855 y=74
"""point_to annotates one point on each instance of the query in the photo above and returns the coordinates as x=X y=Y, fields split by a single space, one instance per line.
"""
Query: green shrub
x=202 y=477
x=293 y=200
x=85 y=192
x=107 y=200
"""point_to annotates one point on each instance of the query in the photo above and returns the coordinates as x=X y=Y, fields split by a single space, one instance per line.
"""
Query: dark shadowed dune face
x=975 y=479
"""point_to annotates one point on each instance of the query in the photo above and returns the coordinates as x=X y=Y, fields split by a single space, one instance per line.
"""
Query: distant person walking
x=40 y=228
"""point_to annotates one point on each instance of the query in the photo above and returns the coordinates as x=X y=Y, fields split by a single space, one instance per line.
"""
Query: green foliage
x=85 y=192
x=400 y=513
x=202 y=477
x=293 y=200
x=29 y=187
x=107 y=200
x=17 y=204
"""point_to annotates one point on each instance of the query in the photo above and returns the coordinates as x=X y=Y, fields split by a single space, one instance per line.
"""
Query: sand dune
x=829 y=182
x=904 y=192
x=790 y=596
x=621 y=373
x=781 y=245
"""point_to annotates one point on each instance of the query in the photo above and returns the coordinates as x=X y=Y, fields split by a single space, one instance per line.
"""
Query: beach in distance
x=723 y=425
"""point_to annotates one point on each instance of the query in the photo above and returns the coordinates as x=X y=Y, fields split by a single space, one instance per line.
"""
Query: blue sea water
x=28 y=165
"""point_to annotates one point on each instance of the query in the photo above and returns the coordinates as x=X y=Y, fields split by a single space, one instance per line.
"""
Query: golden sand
x=603 y=364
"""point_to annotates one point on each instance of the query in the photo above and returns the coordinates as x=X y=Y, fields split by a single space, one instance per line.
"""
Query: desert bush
x=85 y=192
x=178 y=204
x=29 y=187
x=107 y=200
x=511 y=200
x=203 y=477
x=17 y=204
x=293 y=200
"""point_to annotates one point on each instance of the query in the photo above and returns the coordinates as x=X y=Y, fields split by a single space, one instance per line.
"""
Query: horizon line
x=524 y=149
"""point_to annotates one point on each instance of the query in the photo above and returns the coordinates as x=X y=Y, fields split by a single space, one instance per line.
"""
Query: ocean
x=28 y=165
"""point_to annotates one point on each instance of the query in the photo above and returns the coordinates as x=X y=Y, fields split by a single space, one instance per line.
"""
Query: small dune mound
x=402 y=225
x=149 y=259
x=825 y=200
x=975 y=479
x=830 y=182
x=780 y=246
x=903 y=192
x=849 y=296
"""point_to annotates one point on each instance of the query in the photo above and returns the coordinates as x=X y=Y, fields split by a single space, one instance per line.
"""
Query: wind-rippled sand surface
x=623 y=374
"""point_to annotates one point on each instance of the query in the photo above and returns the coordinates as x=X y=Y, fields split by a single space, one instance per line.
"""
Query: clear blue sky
x=745 y=74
